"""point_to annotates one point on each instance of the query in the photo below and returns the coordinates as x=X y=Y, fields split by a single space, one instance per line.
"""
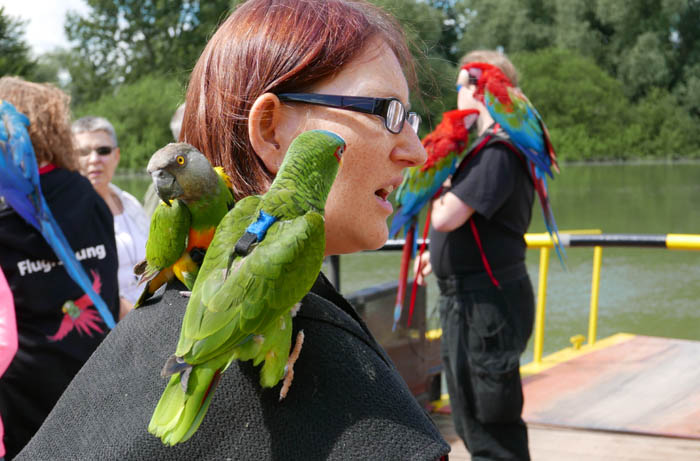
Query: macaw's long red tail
x=414 y=287
x=549 y=222
x=406 y=256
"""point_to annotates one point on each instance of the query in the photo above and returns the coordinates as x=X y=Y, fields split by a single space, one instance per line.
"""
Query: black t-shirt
x=496 y=184
x=346 y=402
x=53 y=346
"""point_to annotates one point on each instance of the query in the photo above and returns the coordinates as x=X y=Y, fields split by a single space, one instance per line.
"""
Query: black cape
x=347 y=400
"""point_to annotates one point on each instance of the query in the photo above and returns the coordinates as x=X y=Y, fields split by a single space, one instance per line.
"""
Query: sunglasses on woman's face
x=101 y=151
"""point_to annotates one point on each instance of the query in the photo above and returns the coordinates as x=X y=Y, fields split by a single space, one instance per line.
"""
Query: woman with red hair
x=274 y=69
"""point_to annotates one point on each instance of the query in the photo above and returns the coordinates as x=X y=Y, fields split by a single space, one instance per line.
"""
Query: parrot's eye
x=180 y=160
x=339 y=153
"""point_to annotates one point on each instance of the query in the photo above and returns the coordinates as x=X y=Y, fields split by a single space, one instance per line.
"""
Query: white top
x=131 y=232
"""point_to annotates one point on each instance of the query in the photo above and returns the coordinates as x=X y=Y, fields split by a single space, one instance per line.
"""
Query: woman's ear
x=265 y=130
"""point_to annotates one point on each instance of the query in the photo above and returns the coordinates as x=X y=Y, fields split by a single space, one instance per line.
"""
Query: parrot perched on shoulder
x=445 y=146
x=20 y=186
x=195 y=197
x=266 y=254
x=516 y=115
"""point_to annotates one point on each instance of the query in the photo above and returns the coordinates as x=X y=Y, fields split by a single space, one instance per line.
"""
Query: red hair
x=273 y=46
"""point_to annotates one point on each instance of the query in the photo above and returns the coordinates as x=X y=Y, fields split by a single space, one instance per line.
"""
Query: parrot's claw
x=295 y=309
x=289 y=368
x=185 y=294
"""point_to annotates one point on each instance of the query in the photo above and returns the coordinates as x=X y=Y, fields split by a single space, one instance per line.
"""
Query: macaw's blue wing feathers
x=19 y=185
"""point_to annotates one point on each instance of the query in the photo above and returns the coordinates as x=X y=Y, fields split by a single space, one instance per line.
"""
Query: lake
x=643 y=291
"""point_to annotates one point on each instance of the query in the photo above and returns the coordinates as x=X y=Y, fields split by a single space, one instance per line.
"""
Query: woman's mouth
x=382 y=196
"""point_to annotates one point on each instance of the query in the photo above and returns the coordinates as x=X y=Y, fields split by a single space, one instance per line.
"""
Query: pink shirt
x=8 y=335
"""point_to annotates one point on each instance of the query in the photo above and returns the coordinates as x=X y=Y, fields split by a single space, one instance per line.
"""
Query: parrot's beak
x=166 y=186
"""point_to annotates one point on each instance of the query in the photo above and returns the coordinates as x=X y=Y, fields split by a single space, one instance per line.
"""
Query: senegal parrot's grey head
x=180 y=171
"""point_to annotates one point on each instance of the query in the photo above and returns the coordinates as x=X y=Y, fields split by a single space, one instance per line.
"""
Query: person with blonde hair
x=486 y=303
x=55 y=329
x=275 y=69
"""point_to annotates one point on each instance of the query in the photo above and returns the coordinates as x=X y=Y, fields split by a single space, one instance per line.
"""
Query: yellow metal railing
x=544 y=243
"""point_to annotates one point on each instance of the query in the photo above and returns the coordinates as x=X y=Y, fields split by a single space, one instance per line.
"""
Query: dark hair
x=47 y=108
x=274 y=46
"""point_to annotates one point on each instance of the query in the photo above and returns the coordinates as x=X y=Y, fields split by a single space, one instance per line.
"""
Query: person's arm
x=449 y=212
x=124 y=307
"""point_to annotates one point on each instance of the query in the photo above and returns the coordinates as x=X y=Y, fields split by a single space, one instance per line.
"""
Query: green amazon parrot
x=195 y=197
x=266 y=254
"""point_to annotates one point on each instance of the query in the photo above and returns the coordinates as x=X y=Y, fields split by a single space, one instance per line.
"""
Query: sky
x=45 y=18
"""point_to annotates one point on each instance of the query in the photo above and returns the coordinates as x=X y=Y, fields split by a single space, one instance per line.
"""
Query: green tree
x=425 y=31
x=140 y=113
x=583 y=107
x=120 y=41
x=15 y=56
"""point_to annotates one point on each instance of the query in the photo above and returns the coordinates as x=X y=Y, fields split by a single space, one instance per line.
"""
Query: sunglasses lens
x=104 y=150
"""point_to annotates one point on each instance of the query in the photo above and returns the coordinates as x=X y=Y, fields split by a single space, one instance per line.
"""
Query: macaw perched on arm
x=266 y=254
x=444 y=145
x=511 y=109
x=195 y=197
x=20 y=186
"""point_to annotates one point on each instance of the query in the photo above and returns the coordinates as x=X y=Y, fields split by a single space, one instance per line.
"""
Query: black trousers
x=484 y=332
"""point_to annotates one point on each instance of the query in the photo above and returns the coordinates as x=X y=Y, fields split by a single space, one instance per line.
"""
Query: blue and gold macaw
x=19 y=185
x=516 y=115
x=444 y=146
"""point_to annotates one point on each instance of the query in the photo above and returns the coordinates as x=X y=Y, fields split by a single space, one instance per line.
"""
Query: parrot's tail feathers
x=153 y=281
x=180 y=412
x=199 y=417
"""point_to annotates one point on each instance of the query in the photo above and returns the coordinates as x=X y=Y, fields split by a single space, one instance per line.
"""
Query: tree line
x=613 y=80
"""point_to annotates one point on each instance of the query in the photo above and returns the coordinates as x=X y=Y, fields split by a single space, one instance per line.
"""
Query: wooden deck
x=636 y=398
x=557 y=444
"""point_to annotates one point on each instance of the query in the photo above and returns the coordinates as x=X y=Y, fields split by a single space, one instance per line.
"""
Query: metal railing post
x=541 y=302
x=595 y=291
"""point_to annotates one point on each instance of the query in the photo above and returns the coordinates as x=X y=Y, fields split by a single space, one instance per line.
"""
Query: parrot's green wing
x=257 y=291
x=167 y=237
x=213 y=268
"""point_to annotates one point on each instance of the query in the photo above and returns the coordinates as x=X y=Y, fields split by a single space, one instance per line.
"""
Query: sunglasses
x=390 y=109
x=101 y=151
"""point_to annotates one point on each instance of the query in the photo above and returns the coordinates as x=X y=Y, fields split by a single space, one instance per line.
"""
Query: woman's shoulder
x=345 y=402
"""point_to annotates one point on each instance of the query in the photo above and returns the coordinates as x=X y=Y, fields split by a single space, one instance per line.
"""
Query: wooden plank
x=645 y=385
x=549 y=443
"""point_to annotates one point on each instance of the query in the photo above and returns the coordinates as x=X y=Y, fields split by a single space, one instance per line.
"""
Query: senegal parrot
x=196 y=196
x=513 y=112
x=444 y=146
x=266 y=254
x=20 y=186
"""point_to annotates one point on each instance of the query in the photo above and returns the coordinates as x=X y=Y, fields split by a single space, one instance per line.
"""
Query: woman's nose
x=409 y=151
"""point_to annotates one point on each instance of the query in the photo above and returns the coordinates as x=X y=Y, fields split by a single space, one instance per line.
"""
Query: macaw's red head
x=486 y=77
x=459 y=122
